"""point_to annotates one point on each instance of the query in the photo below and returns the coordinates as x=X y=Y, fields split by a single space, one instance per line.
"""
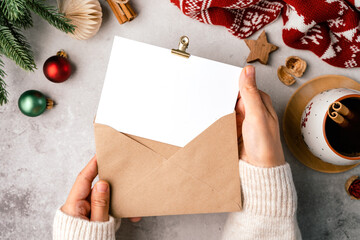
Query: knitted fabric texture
x=268 y=191
x=66 y=227
x=269 y=207
x=328 y=28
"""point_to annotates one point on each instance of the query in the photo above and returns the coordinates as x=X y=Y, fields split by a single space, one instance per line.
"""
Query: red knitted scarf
x=328 y=28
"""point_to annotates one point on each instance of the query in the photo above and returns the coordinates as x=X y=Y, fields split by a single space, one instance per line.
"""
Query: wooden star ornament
x=260 y=49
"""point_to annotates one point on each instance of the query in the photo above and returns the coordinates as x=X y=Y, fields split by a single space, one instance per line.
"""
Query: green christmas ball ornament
x=33 y=103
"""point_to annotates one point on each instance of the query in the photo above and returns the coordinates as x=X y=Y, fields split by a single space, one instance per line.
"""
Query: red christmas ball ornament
x=57 y=68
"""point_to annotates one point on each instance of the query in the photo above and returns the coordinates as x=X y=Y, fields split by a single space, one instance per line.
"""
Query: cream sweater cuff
x=268 y=191
x=71 y=228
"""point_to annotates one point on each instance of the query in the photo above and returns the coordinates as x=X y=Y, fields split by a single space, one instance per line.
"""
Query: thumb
x=249 y=92
x=100 y=198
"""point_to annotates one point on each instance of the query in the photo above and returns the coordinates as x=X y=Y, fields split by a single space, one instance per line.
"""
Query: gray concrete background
x=40 y=157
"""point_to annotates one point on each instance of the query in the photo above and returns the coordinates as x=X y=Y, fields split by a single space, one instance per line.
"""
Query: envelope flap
x=122 y=158
x=213 y=158
x=166 y=150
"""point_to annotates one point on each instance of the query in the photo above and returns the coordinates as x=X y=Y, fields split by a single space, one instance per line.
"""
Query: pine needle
x=51 y=14
x=13 y=9
x=3 y=92
x=15 y=47
x=24 y=21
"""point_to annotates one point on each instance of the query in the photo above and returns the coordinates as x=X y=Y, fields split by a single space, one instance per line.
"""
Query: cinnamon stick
x=343 y=110
x=338 y=118
x=133 y=13
x=126 y=10
x=119 y=13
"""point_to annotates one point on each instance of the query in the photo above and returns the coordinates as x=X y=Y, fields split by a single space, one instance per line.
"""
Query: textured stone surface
x=40 y=157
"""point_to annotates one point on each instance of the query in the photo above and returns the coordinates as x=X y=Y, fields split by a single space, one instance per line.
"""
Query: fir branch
x=15 y=47
x=3 y=92
x=21 y=40
x=51 y=14
x=24 y=21
x=13 y=9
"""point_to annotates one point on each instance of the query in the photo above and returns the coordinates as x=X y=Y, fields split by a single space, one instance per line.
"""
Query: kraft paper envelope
x=149 y=175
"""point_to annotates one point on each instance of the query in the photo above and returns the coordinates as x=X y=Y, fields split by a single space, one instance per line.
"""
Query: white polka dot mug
x=318 y=129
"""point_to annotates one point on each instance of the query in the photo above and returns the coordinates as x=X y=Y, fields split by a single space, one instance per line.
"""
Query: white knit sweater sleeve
x=66 y=227
x=269 y=205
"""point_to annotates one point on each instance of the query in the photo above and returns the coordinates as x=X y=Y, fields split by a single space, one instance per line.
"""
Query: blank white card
x=151 y=93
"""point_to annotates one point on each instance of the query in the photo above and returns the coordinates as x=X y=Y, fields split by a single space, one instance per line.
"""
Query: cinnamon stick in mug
x=338 y=118
x=343 y=110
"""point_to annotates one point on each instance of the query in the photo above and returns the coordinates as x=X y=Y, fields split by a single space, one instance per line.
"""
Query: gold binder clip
x=183 y=44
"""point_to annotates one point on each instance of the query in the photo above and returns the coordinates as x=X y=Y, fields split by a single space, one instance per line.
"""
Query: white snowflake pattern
x=268 y=6
x=241 y=4
x=336 y=22
x=354 y=49
x=358 y=39
x=253 y=21
x=338 y=48
x=249 y=20
x=313 y=37
x=342 y=5
x=350 y=63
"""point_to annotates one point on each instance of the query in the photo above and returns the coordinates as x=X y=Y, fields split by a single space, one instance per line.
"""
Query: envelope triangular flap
x=166 y=150
x=202 y=177
x=121 y=158
x=212 y=157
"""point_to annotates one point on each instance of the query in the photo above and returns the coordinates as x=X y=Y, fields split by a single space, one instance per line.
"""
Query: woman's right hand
x=257 y=124
x=86 y=202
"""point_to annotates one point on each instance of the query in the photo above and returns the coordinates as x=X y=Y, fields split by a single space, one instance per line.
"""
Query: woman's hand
x=86 y=203
x=257 y=124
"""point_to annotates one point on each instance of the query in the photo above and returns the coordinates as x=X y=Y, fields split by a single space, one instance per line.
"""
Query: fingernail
x=101 y=187
x=249 y=70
